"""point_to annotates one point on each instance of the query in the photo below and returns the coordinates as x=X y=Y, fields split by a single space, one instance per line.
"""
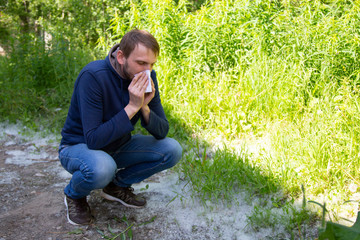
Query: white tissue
x=148 y=87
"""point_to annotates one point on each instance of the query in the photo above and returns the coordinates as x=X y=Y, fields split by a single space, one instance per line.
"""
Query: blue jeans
x=136 y=160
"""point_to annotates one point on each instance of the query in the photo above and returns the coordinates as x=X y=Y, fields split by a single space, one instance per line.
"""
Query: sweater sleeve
x=158 y=125
x=97 y=133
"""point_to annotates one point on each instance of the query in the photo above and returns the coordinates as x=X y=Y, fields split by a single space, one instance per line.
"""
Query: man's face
x=139 y=60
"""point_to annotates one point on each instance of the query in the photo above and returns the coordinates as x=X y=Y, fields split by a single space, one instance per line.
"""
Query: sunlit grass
x=249 y=70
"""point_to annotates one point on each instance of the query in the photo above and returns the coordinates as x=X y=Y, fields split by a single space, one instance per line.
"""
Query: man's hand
x=138 y=98
x=136 y=94
x=149 y=95
x=145 y=110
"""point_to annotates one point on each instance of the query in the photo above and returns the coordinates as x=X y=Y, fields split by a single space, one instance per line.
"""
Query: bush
x=37 y=80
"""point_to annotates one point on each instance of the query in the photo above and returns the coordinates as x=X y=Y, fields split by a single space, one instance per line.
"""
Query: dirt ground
x=32 y=207
x=31 y=203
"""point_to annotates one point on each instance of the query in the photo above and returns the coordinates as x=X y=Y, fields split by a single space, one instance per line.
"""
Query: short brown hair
x=131 y=39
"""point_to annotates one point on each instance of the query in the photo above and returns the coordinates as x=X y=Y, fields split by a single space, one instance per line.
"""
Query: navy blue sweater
x=96 y=115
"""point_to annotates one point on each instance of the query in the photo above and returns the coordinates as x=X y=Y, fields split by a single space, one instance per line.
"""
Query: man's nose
x=149 y=67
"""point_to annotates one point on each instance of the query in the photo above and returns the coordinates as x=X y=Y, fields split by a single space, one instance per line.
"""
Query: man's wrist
x=145 y=111
x=131 y=110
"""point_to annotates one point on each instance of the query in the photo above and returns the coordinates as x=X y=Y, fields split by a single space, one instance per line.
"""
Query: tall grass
x=286 y=71
x=37 y=81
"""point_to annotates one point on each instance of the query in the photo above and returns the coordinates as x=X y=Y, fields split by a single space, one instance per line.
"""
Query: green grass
x=286 y=72
x=37 y=81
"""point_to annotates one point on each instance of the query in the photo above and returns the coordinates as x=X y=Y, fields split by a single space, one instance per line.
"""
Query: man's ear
x=120 y=57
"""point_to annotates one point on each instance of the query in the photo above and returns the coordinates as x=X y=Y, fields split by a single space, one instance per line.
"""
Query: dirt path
x=32 y=207
x=31 y=202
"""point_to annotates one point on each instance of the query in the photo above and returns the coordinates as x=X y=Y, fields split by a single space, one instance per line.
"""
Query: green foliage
x=56 y=40
x=127 y=233
x=218 y=177
x=294 y=220
x=286 y=72
x=37 y=81
x=340 y=232
x=81 y=22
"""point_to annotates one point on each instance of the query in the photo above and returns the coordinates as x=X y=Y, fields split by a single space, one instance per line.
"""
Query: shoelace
x=126 y=194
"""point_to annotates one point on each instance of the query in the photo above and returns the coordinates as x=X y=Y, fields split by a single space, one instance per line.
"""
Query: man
x=97 y=147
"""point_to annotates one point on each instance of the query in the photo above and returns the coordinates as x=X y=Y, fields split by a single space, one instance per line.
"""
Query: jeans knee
x=104 y=172
x=175 y=151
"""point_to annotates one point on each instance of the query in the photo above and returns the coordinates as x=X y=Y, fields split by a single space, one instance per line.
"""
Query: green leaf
x=336 y=231
x=130 y=234
x=150 y=221
x=111 y=230
x=124 y=219
x=76 y=231
x=145 y=188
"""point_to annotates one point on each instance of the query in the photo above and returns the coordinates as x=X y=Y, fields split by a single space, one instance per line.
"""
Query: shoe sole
x=111 y=198
x=68 y=218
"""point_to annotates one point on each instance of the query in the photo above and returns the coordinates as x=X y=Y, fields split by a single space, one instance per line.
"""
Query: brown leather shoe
x=123 y=195
x=78 y=211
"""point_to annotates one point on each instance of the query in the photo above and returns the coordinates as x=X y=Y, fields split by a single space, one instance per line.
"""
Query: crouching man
x=97 y=147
